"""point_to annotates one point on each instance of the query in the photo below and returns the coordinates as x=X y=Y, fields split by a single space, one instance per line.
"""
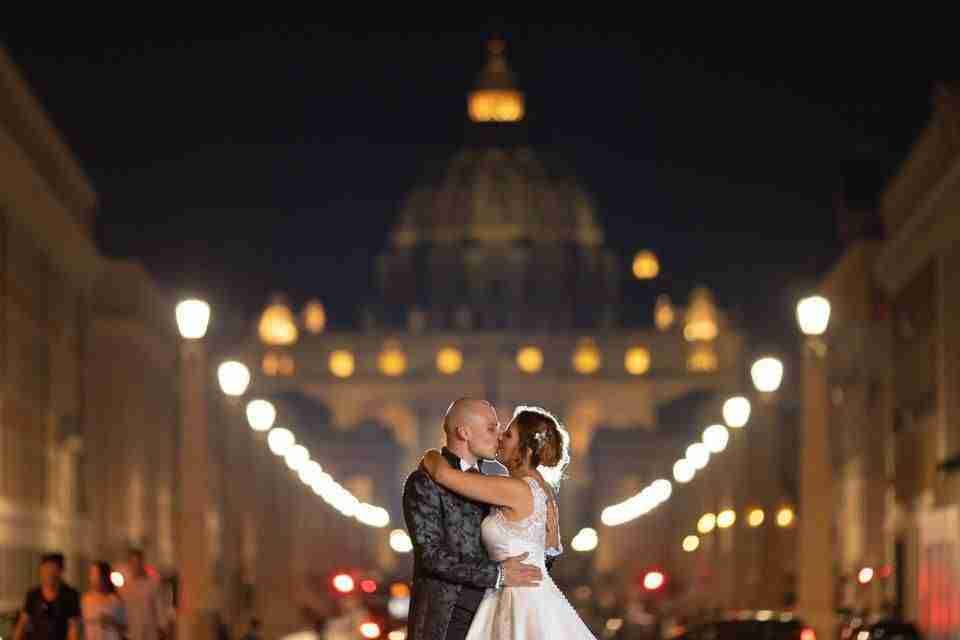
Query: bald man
x=451 y=568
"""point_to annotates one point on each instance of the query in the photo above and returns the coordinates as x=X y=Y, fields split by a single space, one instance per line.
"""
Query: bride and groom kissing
x=483 y=542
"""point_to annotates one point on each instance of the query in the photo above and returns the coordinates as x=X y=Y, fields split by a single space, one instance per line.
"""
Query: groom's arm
x=554 y=542
x=422 y=511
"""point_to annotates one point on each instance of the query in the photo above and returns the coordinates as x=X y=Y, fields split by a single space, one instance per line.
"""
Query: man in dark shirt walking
x=51 y=610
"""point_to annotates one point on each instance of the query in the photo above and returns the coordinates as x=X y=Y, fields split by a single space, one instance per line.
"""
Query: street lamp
x=322 y=484
x=281 y=441
x=698 y=455
x=234 y=378
x=716 y=437
x=261 y=414
x=310 y=472
x=648 y=500
x=683 y=471
x=296 y=457
x=813 y=315
x=193 y=317
x=767 y=374
x=815 y=577
x=662 y=490
x=585 y=541
x=198 y=556
x=372 y=516
x=400 y=541
x=344 y=502
x=736 y=412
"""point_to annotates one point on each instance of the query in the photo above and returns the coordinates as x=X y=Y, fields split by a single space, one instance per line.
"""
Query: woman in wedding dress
x=524 y=519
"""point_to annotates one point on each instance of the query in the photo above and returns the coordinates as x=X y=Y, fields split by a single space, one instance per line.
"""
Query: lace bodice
x=504 y=538
x=525 y=613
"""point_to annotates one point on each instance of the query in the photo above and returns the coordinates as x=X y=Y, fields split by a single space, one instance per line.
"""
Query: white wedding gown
x=524 y=613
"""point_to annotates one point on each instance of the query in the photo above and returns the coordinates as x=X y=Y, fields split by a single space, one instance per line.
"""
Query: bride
x=524 y=520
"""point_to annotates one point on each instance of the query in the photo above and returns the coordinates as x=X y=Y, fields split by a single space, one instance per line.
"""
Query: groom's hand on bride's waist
x=516 y=573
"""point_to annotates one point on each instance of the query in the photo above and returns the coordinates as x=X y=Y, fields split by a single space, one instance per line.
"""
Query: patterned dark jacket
x=448 y=552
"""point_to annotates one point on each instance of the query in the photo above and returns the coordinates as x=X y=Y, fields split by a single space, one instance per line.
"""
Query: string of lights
x=767 y=374
x=282 y=442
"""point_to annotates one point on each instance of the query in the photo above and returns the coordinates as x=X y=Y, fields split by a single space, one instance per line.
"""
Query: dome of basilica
x=501 y=234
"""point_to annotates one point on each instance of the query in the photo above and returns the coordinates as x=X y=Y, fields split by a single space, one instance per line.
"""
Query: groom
x=451 y=568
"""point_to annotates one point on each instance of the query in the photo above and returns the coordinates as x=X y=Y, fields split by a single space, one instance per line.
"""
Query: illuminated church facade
x=496 y=283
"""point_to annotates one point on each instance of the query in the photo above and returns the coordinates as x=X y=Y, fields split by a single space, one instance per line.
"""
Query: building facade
x=918 y=270
x=90 y=408
x=890 y=400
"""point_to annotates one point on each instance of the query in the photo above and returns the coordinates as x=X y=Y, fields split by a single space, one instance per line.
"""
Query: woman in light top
x=104 y=615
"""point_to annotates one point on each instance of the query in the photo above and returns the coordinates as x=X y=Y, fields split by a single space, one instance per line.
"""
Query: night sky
x=242 y=163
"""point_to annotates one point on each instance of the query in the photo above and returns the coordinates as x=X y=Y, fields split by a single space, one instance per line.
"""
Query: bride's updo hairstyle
x=543 y=436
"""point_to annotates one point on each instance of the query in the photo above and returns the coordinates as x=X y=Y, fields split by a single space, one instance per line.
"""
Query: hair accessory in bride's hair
x=540 y=437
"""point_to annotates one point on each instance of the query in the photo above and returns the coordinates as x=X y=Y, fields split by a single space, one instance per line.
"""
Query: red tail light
x=808 y=634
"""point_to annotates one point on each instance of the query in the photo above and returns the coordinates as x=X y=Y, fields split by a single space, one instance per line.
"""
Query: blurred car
x=888 y=630
x=773 y=629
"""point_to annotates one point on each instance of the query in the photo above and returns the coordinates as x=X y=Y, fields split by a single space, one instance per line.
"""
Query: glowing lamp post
x=736 y=412
x=400 y=541
x=261 y=415
x=698 y=455
x=281 y=441
x=813 y=315
x=234 y=378
x=815 y=578
x=193 y=317
x=683 y=471
x=585 y=541
x=716 y=437
x=197 y=554
x=767 y=374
